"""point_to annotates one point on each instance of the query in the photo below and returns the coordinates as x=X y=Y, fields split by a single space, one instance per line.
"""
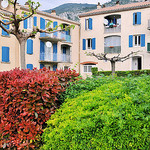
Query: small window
x=137 y=40
x=135 y=18
x=89 y=43
x=30 y=23
x=87 y=24
x=66 y=67
x=88 y=67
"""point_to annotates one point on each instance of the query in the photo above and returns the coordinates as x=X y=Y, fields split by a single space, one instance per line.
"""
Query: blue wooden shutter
x=133 y=18
x=35 y=21
x=29 y=46
x=42 y=50
x=25 y=22
x=30 y=66
x=94 y=43
x=84 y=44
x=6 y=27
x=42 y=26
x=138 y=17
x=54 y=52
x=5 y=54
x=55 y=23
x=90 y=23
x=85 y=25
x=142 y=40
x=54 y=67
x=42 y=66
x=130 y=40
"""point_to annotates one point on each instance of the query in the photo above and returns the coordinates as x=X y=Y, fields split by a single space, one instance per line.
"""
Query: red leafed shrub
x=27 y=100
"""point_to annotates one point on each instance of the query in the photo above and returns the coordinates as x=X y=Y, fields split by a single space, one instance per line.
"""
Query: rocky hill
x=72 y=10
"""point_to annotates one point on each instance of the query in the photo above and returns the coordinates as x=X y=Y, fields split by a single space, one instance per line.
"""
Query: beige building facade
x=59 y=50
x=115 y=30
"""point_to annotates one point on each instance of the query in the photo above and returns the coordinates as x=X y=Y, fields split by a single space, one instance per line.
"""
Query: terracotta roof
x=117 y=8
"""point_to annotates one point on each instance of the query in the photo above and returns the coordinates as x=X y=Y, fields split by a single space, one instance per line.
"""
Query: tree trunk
x=113 y=67
x=22 y=54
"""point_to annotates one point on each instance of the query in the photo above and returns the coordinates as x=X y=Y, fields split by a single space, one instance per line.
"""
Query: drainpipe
x=79 y=46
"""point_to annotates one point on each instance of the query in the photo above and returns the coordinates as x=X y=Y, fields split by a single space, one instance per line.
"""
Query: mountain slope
x=72 y=10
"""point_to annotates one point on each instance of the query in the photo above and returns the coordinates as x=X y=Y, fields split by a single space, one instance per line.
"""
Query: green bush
x=115 y=116
x=95 y=72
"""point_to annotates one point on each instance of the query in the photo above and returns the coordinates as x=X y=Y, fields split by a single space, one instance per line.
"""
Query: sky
x=49 y=4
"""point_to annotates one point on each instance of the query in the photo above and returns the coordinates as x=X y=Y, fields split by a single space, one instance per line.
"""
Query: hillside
x=72 y=10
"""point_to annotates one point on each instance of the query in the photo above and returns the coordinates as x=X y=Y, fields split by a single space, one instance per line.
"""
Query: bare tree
x=22 y=35
x=113 y=59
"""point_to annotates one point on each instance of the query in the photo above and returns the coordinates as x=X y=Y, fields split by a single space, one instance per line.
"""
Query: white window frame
x=89 y=48
x=46 y=21
x=136 y=39
x=30 y=22
x=87 y=68
x=87 y=24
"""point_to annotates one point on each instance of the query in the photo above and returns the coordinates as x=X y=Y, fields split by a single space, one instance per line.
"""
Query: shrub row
x=115 y=116
x=95 y=72
x=27 y=100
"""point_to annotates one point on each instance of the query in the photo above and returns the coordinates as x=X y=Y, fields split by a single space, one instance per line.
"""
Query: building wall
x=127 y=28
x=34 y=59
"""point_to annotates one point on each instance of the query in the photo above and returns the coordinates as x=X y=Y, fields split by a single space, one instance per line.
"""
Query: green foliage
x=114 y=116
x=95 y=72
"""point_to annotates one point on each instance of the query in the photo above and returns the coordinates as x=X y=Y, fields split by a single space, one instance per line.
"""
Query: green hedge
x=95 y=72
x=114 y=116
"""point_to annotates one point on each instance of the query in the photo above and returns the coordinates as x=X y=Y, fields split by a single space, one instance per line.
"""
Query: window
x=5 y=54
x=89 y=43
x=88 y=24
x=46 y=22
x=137 y=40
x=136 y=18
x=87 y=68
x=30 y=23
x=66 y=67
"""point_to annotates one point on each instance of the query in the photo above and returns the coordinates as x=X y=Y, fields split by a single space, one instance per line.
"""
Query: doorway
x=137 y=63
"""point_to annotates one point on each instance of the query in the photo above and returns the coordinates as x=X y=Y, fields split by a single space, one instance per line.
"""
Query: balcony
x=53 y=57
x=112 y=49
x=54 y=37
x=113 y=29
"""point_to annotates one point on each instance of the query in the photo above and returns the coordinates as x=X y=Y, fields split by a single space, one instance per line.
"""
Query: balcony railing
x=114 y=29
x=112 y=49
x=54 y=57
x=57 y=35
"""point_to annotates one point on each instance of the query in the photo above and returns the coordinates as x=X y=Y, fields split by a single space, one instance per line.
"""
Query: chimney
x=26 y=3
x=99 y=6
x=53 y=12
x=117 y=3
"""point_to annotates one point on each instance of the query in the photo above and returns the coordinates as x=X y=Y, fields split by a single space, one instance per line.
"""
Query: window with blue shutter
x=136 y=18
x=130 y=40
x=42 y=66
x=142 y=40
x=35 y=21
x=30 y=66
x=42 y=50
x=94 y=43
x=90 y=23
x=25 y=23
x=84 y=44
x=29 y=46
x=5 y=54
x=55 y=52
x=54 y=67
x=55 y=23
x=6 y=27
x=42 y=26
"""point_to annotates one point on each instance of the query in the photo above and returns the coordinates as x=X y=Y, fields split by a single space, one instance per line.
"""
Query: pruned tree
x=14 y=19
x=113 y=59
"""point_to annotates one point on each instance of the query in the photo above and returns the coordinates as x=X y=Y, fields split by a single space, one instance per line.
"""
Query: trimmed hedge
x=114 y=116
x=27 y=100
x=95 y=72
